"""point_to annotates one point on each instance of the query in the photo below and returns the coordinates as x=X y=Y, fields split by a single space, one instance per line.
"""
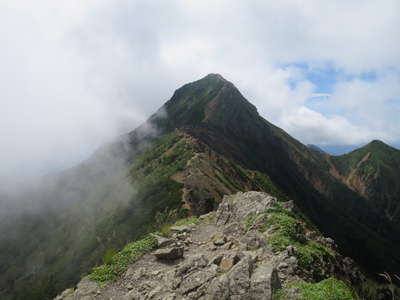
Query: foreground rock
x=228 y=255
x=169 y=253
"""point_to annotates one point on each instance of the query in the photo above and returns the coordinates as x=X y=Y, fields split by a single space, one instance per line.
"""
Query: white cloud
x=76 y=73
x=312 y=126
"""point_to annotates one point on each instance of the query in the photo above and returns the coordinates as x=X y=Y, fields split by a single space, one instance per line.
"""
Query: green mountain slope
x=373 y=171
x=206 y=141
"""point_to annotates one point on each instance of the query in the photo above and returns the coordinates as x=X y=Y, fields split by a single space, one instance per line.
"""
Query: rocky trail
x=227 y=254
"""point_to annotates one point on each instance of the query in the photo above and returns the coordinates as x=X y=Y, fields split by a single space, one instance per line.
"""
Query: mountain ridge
x=206 y=141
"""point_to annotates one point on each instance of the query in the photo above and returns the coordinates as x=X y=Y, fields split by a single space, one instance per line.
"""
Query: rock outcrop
x=229 y=254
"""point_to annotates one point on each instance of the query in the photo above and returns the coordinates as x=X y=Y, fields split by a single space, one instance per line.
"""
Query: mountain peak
x=210 y=80
x=377 y=145
x=212 y=100
x=377 y=142
x=214 y=76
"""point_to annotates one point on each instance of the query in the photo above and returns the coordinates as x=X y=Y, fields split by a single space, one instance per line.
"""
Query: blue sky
x=76 y=73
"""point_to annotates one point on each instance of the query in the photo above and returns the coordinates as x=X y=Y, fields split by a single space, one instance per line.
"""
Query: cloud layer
x=75 y=74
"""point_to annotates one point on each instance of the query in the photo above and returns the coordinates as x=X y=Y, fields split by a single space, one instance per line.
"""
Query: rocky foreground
x=252 y=247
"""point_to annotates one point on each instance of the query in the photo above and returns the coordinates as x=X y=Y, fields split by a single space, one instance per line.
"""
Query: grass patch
x=120 y=261
x=328 y=289
x=187 y=221
x=107 y=259
x=309 y=252
x=289 y=230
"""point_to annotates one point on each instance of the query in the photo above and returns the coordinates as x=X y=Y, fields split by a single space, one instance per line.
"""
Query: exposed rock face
x=220 y=258
x=236 y=207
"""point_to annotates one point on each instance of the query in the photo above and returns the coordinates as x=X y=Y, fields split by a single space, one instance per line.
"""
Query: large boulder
x=241 y=205
x=169 y=253
x=264 y=282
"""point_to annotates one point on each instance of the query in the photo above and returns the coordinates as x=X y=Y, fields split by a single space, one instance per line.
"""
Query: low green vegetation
x=115 y=263
x=328 y=289
x=187 y=221
x=108 y=256
x=289 y=229
x=119 y=262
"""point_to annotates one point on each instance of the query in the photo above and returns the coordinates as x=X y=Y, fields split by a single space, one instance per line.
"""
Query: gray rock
x=218 y=289
x=227 y=246
x=64 y=294
x=289 y=205
x=180 y=229
x=241 y=205
x=135 y=273
x=252 y=240
x=264 y=282
x=291 y=250
x=233 y=229
x=162 y=241
x=169 y=253
x=86 y=288
x=219 y=239
x=192 y=263
x=234 y=284
x=239 y=276
x=197 y=279
x=227 y=262
x=206 y=216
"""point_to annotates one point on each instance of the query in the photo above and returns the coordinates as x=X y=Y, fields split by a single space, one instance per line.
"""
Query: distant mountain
x=339 y=149
x=205 y=142
x=373 y=172
x=316 y=148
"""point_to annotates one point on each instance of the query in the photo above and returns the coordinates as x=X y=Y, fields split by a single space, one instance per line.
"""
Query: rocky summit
x=237 y=253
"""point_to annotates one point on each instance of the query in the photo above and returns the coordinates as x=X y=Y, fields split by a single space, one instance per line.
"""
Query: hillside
x=207 y=141
x=373 y=171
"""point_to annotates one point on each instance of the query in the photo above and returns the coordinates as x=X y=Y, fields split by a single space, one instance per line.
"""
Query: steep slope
x=205 y=142
x=373 y=171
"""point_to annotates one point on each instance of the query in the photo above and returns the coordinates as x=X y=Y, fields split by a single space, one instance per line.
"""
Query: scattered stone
x=330 y=242
x=169 y=253
x=216 y=260
x=135 y=273
x=227 y=246
x=206 y=216
x=252 y=240
x=212 y=247
x=219 y=239
x=227 y=263
x=289 y=205
x=162 y=241
x=232 y=229
x=291 y=250
x=311 y=235
x=197 y=279
x=180 y=229
x=283 y=265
